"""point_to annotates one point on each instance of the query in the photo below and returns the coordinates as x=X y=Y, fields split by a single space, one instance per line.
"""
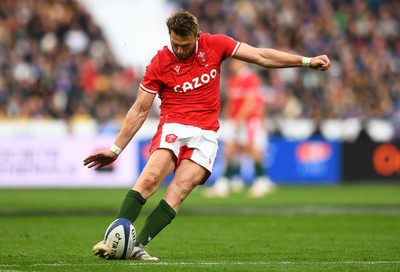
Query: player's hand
x=321 y=62
x=100 y=159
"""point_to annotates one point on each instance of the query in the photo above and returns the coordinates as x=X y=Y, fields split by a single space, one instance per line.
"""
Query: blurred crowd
x=56 y=63
x=361 y=37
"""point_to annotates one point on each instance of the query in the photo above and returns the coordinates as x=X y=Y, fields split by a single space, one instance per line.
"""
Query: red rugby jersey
x=246 y=83
x=190 y=90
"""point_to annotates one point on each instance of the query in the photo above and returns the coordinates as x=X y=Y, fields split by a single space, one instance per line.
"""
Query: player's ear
x=198 y=35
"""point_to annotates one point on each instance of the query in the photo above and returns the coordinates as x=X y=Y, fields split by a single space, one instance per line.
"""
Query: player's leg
x=262 y=184
x=160 y=164
x=187 y=176
x=255 y=147
x=256 y=155
x=233 y=158
x=232 y=166
x=221 y=186
x=194 y=166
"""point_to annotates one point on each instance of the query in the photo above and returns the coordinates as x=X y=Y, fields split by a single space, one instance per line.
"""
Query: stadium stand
x=56 y=64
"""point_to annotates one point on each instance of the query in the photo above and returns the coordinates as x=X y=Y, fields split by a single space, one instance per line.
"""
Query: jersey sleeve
x=151 y=80
x=224 y=45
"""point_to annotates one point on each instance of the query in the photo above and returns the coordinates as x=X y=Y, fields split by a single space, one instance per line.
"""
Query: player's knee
x=185 y=186
x=150 y=181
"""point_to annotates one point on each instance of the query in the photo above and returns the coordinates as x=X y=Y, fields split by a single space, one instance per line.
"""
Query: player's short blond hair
x=183 y=23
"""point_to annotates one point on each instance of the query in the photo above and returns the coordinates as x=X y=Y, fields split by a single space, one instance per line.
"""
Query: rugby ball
x=120 y=237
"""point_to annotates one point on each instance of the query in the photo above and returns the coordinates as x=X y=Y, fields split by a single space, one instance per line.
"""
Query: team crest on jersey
x=171 y=138
x=202 y=55
x=177 y=69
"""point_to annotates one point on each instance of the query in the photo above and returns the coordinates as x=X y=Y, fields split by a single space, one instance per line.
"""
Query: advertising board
x=58 y=162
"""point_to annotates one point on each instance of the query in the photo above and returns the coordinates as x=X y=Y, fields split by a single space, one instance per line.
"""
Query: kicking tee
x=190 y=89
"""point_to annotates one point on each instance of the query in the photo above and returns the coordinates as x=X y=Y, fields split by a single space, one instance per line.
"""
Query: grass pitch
x=342 y=228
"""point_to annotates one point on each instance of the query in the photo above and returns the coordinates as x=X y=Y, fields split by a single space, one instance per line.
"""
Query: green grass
x=339 y=228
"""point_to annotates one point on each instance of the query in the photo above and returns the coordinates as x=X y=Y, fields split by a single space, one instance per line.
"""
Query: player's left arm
x=272 y=58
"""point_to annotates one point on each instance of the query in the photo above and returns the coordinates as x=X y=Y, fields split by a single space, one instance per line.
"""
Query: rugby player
x=186 y=76
x=244 y=132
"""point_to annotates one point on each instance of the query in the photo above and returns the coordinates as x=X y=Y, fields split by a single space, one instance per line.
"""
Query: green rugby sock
x=159 y=218
x=259 y=169
x=231 y=170
x=131 y=206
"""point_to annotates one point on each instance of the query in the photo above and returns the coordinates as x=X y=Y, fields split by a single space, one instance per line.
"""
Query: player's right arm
x=135 y=118
x=133 y=121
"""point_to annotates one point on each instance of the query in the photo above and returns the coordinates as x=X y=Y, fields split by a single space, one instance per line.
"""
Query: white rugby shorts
x=252 y=131
x=187 y=142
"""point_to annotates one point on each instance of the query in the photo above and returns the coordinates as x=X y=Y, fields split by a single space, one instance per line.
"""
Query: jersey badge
x=202 y=55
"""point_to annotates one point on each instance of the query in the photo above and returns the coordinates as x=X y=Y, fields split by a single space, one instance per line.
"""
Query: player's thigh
x=230 y=149
x=254 y=151
x=160 y=164
x=189 y=173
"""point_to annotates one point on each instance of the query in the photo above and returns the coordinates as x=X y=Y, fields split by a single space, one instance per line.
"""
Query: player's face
x=183 y=47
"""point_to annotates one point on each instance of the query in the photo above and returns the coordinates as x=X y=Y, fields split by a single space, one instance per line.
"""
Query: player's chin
x=183 y=57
